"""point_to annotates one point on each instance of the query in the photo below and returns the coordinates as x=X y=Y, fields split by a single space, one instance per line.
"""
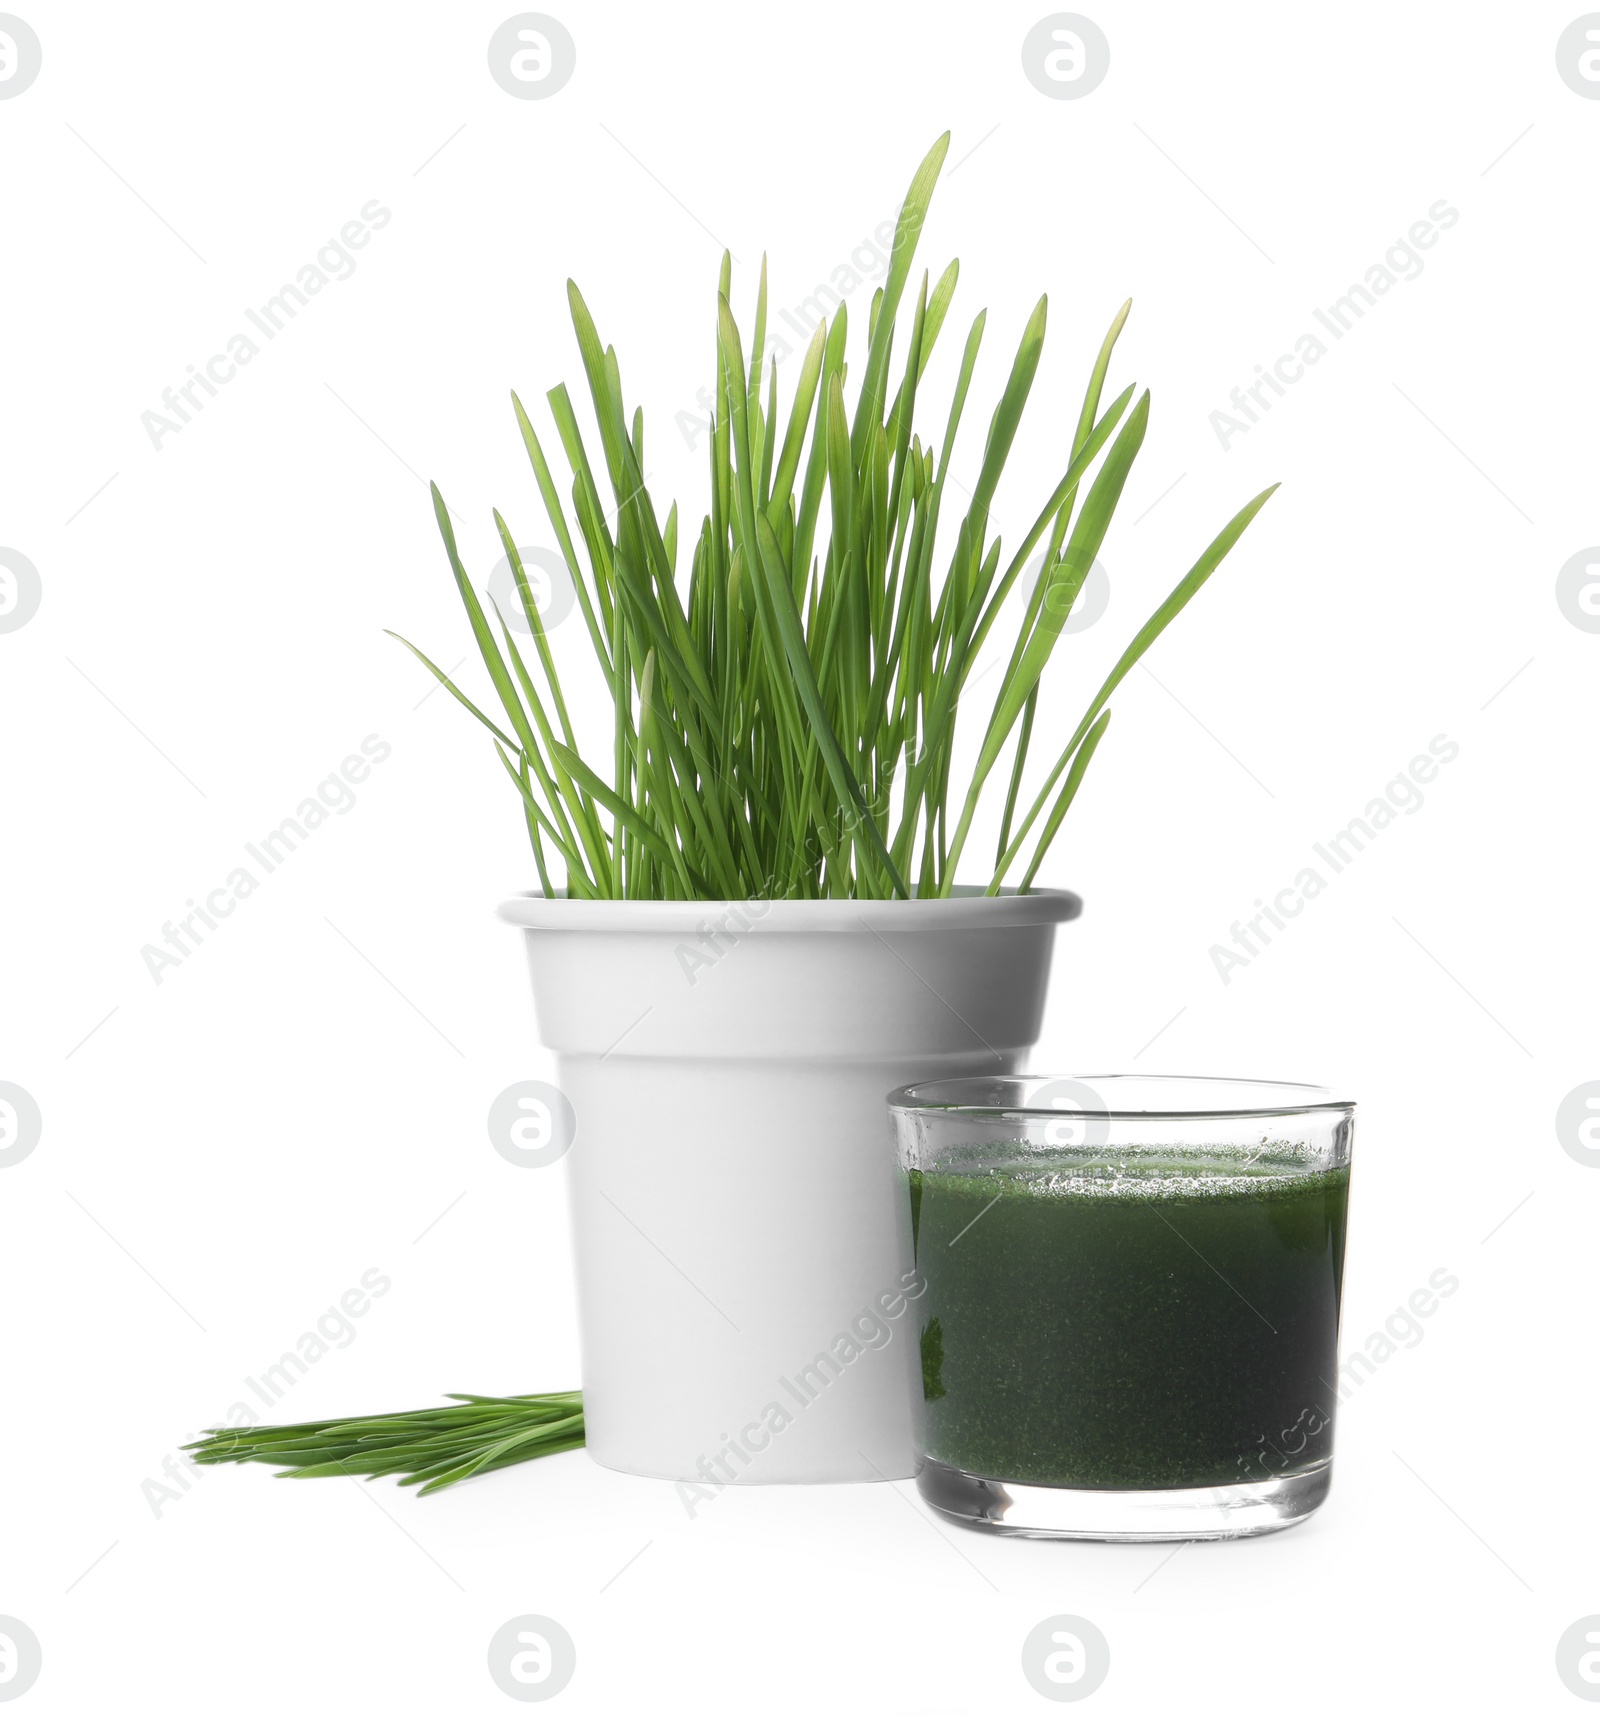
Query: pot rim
x=966 y=908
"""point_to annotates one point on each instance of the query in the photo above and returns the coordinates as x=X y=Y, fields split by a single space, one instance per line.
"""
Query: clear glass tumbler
x=1129 y=1300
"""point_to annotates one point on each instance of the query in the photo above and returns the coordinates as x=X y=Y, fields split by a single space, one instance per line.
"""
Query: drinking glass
x=1128 y=1298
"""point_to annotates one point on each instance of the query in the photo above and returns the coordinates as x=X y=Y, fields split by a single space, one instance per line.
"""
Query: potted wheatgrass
x=749 y=926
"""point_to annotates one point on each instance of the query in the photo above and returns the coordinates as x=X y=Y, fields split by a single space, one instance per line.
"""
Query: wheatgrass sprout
x=437 y=1446
x=784 y=720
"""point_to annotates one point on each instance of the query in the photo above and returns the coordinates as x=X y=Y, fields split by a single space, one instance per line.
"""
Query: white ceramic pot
x=734 y=1205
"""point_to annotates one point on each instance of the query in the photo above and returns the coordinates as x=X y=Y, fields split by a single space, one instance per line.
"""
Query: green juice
x=1165 y=1322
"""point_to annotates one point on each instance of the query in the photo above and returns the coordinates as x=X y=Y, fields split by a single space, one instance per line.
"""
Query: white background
x=226 y=1152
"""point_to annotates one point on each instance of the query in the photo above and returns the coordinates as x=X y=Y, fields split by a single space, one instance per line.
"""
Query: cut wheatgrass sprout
x=784 y=716
x=438 y=1446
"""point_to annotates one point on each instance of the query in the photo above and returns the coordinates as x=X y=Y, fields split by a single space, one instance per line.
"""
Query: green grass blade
x=794 y=643
x=1182 y=594
x=625 y=813
x=1065 y=581
x=1069 y=791
x=907 y=233
x=450 y=685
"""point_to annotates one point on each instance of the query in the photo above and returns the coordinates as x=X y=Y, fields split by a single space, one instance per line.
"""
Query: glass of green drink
x=1129 y=1300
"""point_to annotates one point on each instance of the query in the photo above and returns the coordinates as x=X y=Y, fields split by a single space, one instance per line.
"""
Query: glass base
x=1122 y=1516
